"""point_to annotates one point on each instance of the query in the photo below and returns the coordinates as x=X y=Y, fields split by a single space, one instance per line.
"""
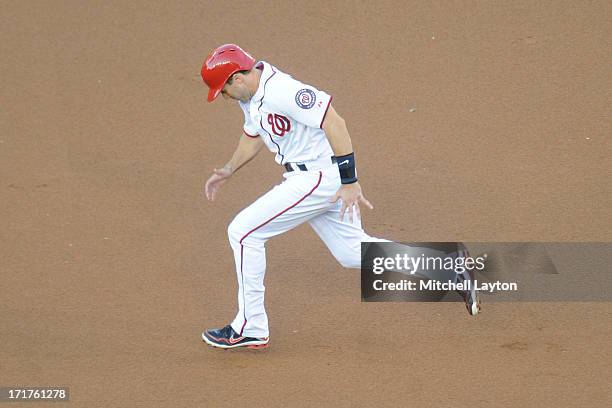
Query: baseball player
x=297 y=123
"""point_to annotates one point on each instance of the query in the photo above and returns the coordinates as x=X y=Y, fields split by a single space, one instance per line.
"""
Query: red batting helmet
x=221 y=64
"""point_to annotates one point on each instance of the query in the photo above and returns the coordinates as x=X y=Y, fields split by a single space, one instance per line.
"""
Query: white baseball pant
x=304 y=196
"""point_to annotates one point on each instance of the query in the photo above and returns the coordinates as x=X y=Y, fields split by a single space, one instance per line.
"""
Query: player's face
x=237 y=90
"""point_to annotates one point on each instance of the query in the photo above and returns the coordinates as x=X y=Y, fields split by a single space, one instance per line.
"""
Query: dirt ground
x=472 y=121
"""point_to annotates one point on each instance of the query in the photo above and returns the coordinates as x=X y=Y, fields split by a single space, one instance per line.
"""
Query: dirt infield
x=472 y=121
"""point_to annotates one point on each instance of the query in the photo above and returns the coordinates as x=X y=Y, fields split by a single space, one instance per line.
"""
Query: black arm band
x=346 y=165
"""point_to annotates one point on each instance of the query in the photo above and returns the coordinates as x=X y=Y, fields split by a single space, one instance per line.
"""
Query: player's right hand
x=215 y=182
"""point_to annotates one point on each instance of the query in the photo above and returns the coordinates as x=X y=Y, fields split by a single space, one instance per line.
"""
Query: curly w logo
x=279 y=123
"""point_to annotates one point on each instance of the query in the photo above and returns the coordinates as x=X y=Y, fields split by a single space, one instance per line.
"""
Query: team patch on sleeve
x=305 y=98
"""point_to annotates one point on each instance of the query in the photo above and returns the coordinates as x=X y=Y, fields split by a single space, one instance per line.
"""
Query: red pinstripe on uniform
x=326 y=109
x=253 y=136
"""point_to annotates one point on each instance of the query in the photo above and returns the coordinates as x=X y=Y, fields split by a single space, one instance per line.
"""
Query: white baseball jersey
x=288 y=115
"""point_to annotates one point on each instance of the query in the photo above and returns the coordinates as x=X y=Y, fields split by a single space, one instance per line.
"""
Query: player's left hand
x=351 y=196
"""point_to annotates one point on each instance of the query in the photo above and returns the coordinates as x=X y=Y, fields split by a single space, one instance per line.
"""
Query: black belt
x=303 y=167
x=299 y=166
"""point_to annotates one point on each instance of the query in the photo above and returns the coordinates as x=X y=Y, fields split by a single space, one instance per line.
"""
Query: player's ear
x=238 y=77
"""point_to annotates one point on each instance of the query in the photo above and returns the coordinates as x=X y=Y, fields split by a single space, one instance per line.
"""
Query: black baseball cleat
x=227 y=338
x=470 y=294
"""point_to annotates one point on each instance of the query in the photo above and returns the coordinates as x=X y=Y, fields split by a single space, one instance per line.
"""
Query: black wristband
x=346 y=166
